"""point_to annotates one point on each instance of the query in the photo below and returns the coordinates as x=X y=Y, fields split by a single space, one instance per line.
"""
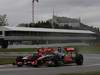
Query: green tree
x=3 y=20
x=23 y=25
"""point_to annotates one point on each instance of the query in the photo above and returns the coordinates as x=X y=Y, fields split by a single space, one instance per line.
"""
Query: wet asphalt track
x=91 y=63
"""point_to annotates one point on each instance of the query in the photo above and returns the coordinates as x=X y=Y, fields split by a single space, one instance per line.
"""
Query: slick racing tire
x=79 y=59
x=19 y=65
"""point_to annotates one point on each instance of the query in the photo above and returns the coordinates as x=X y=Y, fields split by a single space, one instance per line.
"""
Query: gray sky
x=19 y=11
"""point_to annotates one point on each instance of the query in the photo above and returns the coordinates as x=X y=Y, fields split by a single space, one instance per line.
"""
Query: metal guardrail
x=47 y=38
x=48 y=45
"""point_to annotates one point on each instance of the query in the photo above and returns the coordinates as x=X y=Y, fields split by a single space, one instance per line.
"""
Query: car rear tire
x=79 y=59
x=19 y=59
x=19 y=65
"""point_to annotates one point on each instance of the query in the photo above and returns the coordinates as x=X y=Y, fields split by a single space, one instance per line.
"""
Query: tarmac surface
x=91 y=63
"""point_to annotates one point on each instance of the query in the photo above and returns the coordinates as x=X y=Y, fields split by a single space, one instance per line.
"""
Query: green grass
x=89 y=49
x=18 y=50
x=6 y=61
x=85 y=49
x=86 y=73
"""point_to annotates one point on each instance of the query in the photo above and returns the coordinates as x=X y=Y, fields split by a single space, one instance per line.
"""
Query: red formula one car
x=51 y=57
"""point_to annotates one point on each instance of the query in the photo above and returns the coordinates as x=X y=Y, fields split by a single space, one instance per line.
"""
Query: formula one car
x=51 y=57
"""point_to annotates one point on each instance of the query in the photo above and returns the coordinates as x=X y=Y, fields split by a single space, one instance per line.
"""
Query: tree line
x=47 y=24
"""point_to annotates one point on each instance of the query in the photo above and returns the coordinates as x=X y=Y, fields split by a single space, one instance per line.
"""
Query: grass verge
x=6 y=61
x=18 y=50
x=89 y=49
